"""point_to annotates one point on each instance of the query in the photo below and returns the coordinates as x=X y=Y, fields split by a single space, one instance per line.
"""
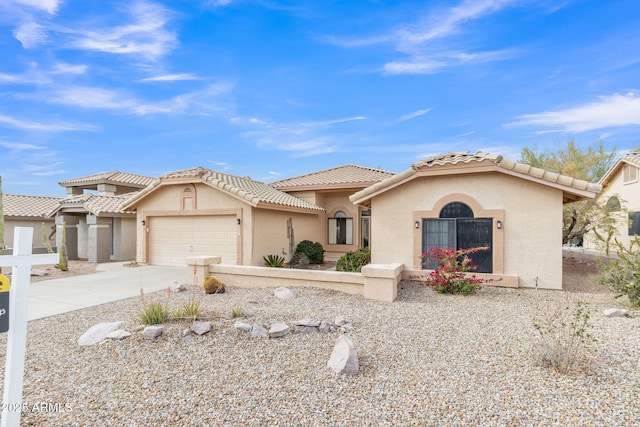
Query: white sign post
x=21 y=262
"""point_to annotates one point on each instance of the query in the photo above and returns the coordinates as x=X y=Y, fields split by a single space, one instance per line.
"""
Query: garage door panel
x=173 y=239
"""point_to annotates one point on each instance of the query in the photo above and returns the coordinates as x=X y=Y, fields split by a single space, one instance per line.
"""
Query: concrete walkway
x=112 y=282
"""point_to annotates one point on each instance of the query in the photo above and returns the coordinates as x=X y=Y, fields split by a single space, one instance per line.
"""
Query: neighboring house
x=466 y=200
x=343 y=227
x=621 y=195
x=29 y=211
x=96 y=227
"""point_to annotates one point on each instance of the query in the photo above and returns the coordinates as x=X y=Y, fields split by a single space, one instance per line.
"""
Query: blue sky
x=273 y=88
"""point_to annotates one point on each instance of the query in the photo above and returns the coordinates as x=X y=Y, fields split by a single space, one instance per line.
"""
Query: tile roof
x=630 y=158
x=37 y=207
x=113 y=177
x=97 y=204
x=346 y=176
x=573 y=189
x=257 y=194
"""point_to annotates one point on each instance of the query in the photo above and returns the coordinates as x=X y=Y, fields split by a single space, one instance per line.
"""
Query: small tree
x=450 y=276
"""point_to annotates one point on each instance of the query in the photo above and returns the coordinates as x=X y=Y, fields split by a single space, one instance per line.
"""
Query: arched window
x=456 y=210
x=457 y=228
x=613 y=204
x=340 y=229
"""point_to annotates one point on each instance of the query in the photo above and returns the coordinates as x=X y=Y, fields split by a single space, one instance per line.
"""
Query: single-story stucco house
x=621 y=195
x=29 y=211
x=464 y=200
x=202 y=212
x=97 y=228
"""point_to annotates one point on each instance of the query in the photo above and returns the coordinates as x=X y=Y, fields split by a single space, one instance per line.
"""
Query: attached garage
x=174 y=238
x=201 y=212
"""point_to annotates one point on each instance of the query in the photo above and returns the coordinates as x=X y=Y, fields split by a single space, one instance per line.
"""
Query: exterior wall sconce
x=499 y=224
x=417 y=224
x=238 y=221
x=143 y=223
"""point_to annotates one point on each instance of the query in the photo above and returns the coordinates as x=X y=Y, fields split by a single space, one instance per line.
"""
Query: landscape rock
x=186 y=332
x=616 y=312
x=327 y=326
x=340 y=321
x=175 y=286
x=201 y=328
x=118 y=335
x=241 y=326
x=257 y=331
x=278 y=330
x=307 y=322
x=98 y=333
x=152 y=332
x=309 y=330
x=344 y=358
x=283 y=293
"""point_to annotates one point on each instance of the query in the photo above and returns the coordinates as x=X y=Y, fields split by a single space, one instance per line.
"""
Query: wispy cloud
x=414 y=115
x=49 y=6
x=58 y=126
x=62 y=68
x=222 y=165
x=219 y=3
x=609 y=111
x=302 y=139
x=30 y=34
x=417 y=41
x=145 y=34
x=18 y=146
x=170 y=78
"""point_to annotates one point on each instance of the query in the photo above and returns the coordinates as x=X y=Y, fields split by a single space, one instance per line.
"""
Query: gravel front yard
x=427 y=359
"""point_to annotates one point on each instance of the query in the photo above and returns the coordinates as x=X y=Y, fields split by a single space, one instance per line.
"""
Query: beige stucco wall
x=270 y=233
x=10 y=224
x=530 y=234
x=629 y=196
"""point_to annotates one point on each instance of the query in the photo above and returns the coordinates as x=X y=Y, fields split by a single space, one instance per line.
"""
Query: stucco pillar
x=99 y=242
x=381 y=281
x=199 y=268
x=71 y=230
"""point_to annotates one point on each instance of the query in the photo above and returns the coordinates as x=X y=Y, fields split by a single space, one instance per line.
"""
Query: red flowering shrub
x=450 y=275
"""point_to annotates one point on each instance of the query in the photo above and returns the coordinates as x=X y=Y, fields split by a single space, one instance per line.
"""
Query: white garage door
x=173 y=239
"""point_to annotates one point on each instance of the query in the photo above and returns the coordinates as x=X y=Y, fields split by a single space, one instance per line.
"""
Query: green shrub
x=622 y=275
x=237 y=311
x=275 y=261
x=154 y=313
x=299 y=260
x=353 y=261
x=189 y=310
x=313 y=251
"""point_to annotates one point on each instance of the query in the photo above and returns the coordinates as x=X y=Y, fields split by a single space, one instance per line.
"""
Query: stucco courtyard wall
x=527 y=246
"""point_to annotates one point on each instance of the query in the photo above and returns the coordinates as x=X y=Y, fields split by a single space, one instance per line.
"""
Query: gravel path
x=427 y=359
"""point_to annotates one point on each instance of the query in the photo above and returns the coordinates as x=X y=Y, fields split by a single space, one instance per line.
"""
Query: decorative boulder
x=212 y=285
x=152 y=332
x=257 y=331
x=201 y=328
x=98 y=333
x=278 y=330
x=175 y=287
x=283 y=293
x=327 y=326
x=616 y=312
x=344 y=358
x=307 y=322
x=241 y=326
x=118 y=335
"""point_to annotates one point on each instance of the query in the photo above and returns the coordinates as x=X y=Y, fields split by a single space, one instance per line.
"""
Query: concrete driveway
x=112 y=282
